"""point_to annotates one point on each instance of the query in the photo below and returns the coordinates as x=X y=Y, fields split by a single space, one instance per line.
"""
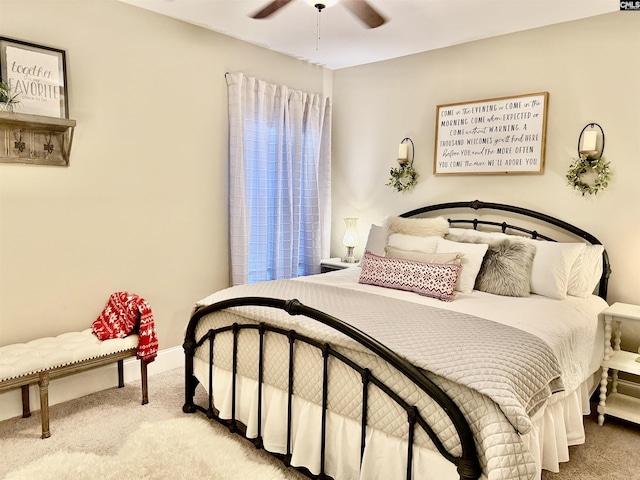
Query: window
x=279 y=192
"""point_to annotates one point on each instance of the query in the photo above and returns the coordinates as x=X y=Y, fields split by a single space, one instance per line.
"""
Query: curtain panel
x=279 y=180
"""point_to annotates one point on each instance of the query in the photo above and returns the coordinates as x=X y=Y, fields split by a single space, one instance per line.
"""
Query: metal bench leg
x=25 y=401
x=43 y=384
x=143 y=375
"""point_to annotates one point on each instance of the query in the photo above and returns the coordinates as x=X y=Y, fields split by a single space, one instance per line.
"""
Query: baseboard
x=91 y=381
x=628 y=387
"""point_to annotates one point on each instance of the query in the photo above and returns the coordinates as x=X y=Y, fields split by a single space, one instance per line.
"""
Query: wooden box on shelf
x=35 y=139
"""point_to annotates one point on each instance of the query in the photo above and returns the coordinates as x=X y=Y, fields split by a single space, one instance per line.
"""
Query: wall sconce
x=350 y=239
x=591 y=141
x=590 y=173
x=403 y=152
x=404 y=177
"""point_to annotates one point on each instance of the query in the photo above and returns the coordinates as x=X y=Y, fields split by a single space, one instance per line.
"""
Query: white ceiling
x=412 y=25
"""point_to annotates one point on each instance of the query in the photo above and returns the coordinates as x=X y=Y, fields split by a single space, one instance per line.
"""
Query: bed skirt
x=555 y=428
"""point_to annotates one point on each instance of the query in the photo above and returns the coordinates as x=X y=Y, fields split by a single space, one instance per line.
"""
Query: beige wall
x=143 y=205
x=591 y=70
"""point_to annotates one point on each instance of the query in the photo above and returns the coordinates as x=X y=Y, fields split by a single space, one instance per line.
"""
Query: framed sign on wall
x=37 y=74
x=504 y=135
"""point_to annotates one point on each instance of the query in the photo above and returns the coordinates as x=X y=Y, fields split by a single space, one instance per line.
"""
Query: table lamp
x=350 y=239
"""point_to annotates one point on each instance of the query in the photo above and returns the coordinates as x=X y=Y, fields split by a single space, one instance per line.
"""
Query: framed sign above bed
x=504 y=135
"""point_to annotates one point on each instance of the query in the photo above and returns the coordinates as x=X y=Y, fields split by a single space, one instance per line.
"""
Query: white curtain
x=279 y=180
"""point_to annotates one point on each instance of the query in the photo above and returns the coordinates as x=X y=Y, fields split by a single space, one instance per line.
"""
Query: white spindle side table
x=617 y=404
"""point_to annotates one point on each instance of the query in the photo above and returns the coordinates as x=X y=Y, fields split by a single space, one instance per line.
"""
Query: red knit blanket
x=119 y=318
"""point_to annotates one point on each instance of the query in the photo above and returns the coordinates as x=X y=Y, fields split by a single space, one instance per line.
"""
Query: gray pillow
x=506 y=269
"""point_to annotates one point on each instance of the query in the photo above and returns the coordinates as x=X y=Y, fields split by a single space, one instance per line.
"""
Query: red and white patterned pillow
x=428 y=279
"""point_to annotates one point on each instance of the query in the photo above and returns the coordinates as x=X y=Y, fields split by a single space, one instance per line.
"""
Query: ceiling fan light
x=326 y=3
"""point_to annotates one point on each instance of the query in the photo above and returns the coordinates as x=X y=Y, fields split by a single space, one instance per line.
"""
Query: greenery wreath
x=403 y=178
x=584 y=165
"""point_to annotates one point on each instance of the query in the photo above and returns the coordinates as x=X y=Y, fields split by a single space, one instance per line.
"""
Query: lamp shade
x=350 y=238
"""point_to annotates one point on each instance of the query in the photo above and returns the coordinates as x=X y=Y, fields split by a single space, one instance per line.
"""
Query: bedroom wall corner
x=143 y=205
x=589 y=69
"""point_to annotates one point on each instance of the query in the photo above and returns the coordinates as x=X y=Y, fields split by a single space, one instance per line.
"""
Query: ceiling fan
x=360 y=8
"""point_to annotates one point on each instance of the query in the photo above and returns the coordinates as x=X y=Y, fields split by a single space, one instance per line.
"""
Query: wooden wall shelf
x=35 y=139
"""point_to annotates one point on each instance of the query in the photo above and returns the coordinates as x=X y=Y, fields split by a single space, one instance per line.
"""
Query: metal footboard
x=467 y=463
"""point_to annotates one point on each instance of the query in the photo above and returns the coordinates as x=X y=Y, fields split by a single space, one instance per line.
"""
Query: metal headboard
x=559 y=224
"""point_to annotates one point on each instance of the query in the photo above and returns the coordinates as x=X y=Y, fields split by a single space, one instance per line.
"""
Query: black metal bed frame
x=467 y=463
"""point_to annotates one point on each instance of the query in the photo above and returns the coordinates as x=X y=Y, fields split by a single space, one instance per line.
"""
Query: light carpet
x=180 y=448
x=98 y=424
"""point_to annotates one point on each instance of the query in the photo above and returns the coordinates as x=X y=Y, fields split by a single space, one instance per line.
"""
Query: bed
x=373 y=372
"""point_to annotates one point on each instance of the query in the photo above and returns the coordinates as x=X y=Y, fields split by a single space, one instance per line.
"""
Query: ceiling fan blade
x=365 y=12
x=270 y=9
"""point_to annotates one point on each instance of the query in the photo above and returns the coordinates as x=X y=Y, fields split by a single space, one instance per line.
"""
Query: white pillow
x=416 y=256
x=376 y=240
x=471 y=262
x=551 y=267
x=458 y=231
x=413 y=243
x=423 y=227
x=478 y=236
x=586 y=271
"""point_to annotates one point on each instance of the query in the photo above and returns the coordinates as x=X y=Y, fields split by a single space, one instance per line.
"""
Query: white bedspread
x=569 y=327
x=516 y=369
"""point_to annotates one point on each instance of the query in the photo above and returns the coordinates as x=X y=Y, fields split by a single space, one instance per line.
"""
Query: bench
x=43 y=359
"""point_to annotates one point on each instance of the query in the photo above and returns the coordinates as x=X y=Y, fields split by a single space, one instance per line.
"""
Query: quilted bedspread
x=498 y=375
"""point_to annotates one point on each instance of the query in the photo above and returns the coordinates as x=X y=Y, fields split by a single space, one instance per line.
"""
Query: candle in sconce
x=589 y=141
x=402 y=151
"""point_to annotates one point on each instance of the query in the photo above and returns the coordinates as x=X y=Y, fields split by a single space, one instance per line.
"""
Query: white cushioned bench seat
x=39 y=360
x=45 y=353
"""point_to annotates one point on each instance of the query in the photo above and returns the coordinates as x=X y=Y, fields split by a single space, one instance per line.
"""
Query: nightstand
x=617 y=404
x=331 y=264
